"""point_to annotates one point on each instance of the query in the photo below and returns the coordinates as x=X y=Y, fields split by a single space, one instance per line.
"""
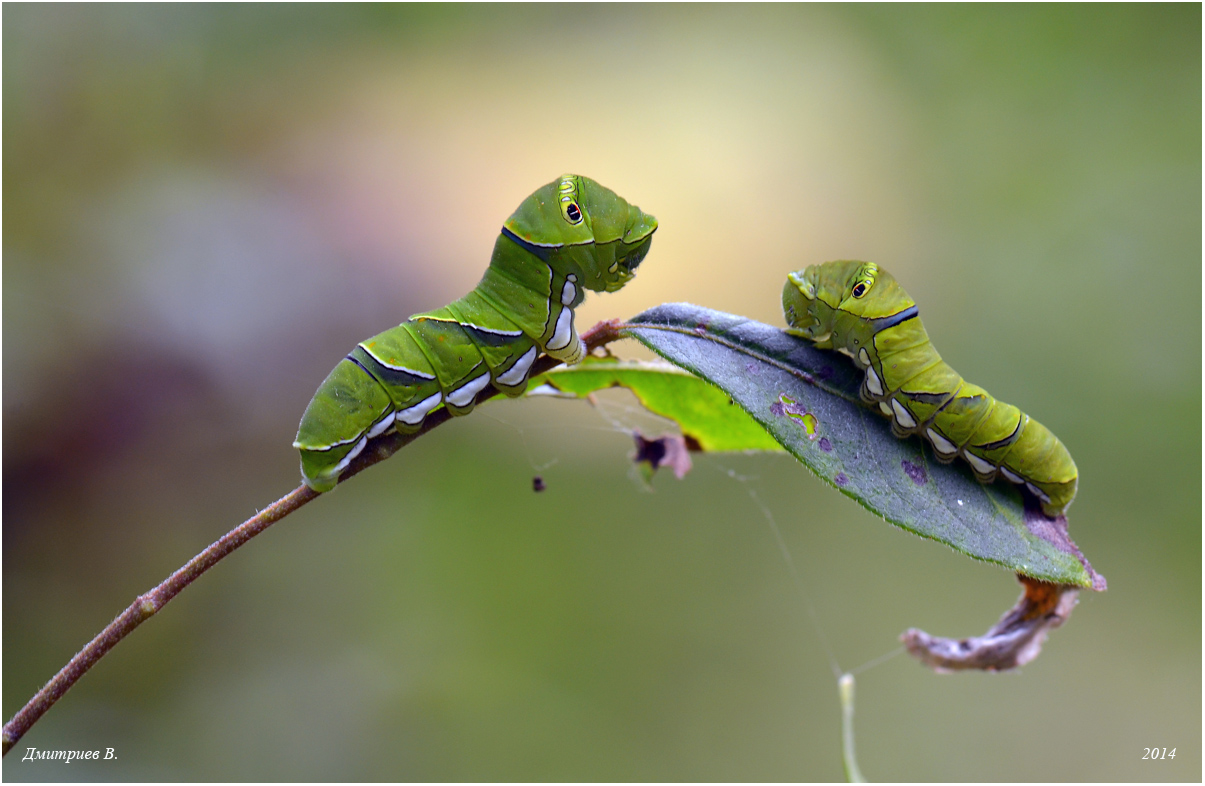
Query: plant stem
x=845 y=686
x=146 y=606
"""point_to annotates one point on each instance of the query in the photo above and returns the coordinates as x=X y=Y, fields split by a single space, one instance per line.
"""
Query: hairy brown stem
x=146 y=606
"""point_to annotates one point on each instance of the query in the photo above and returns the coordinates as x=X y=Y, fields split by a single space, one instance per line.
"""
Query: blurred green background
x=206 y=206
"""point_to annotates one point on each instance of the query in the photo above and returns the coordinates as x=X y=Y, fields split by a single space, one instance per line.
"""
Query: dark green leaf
x=807 y=400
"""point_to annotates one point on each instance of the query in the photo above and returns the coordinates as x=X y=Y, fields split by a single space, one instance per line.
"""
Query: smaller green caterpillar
x=569 y=236
x=860 y=310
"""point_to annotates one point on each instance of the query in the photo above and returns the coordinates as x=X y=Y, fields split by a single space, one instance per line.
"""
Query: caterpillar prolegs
x=569 y=236
x=860 y=310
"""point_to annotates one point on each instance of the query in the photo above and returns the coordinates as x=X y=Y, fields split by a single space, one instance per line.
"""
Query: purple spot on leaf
x=916 y=472
x=777 y=409
x=751 y=368
x=825 y=445
x=841 y=479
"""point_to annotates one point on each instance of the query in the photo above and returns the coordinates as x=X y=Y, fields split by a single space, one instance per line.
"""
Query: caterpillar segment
x=570 y=236
x=861 y=311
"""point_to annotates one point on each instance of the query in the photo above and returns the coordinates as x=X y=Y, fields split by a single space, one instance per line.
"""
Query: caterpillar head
x=813 y=298
x=579 y=226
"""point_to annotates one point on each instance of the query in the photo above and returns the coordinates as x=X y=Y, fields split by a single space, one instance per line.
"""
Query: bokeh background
x=206 y=206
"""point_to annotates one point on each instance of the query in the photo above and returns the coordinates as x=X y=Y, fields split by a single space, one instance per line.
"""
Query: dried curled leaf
x=1013 y=641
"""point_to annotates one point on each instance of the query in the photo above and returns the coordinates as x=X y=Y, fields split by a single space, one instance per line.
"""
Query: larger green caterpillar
x=861 y=311
x=571 y=235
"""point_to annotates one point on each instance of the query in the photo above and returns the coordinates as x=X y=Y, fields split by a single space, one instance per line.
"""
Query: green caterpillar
x=569 y=236
x=861 y=311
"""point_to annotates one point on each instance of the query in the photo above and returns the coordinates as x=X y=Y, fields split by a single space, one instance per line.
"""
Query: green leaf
x=705 y=413
x=808 y=400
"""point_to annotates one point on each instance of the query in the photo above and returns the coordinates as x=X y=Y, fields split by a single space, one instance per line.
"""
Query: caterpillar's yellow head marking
x=864 y=280
x=570 y=211
x=867 y=291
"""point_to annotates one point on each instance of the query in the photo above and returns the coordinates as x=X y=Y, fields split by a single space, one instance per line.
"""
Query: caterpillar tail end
x=321 y=469
x=1054 y=498
x=1052 y=510
x=320 y=482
